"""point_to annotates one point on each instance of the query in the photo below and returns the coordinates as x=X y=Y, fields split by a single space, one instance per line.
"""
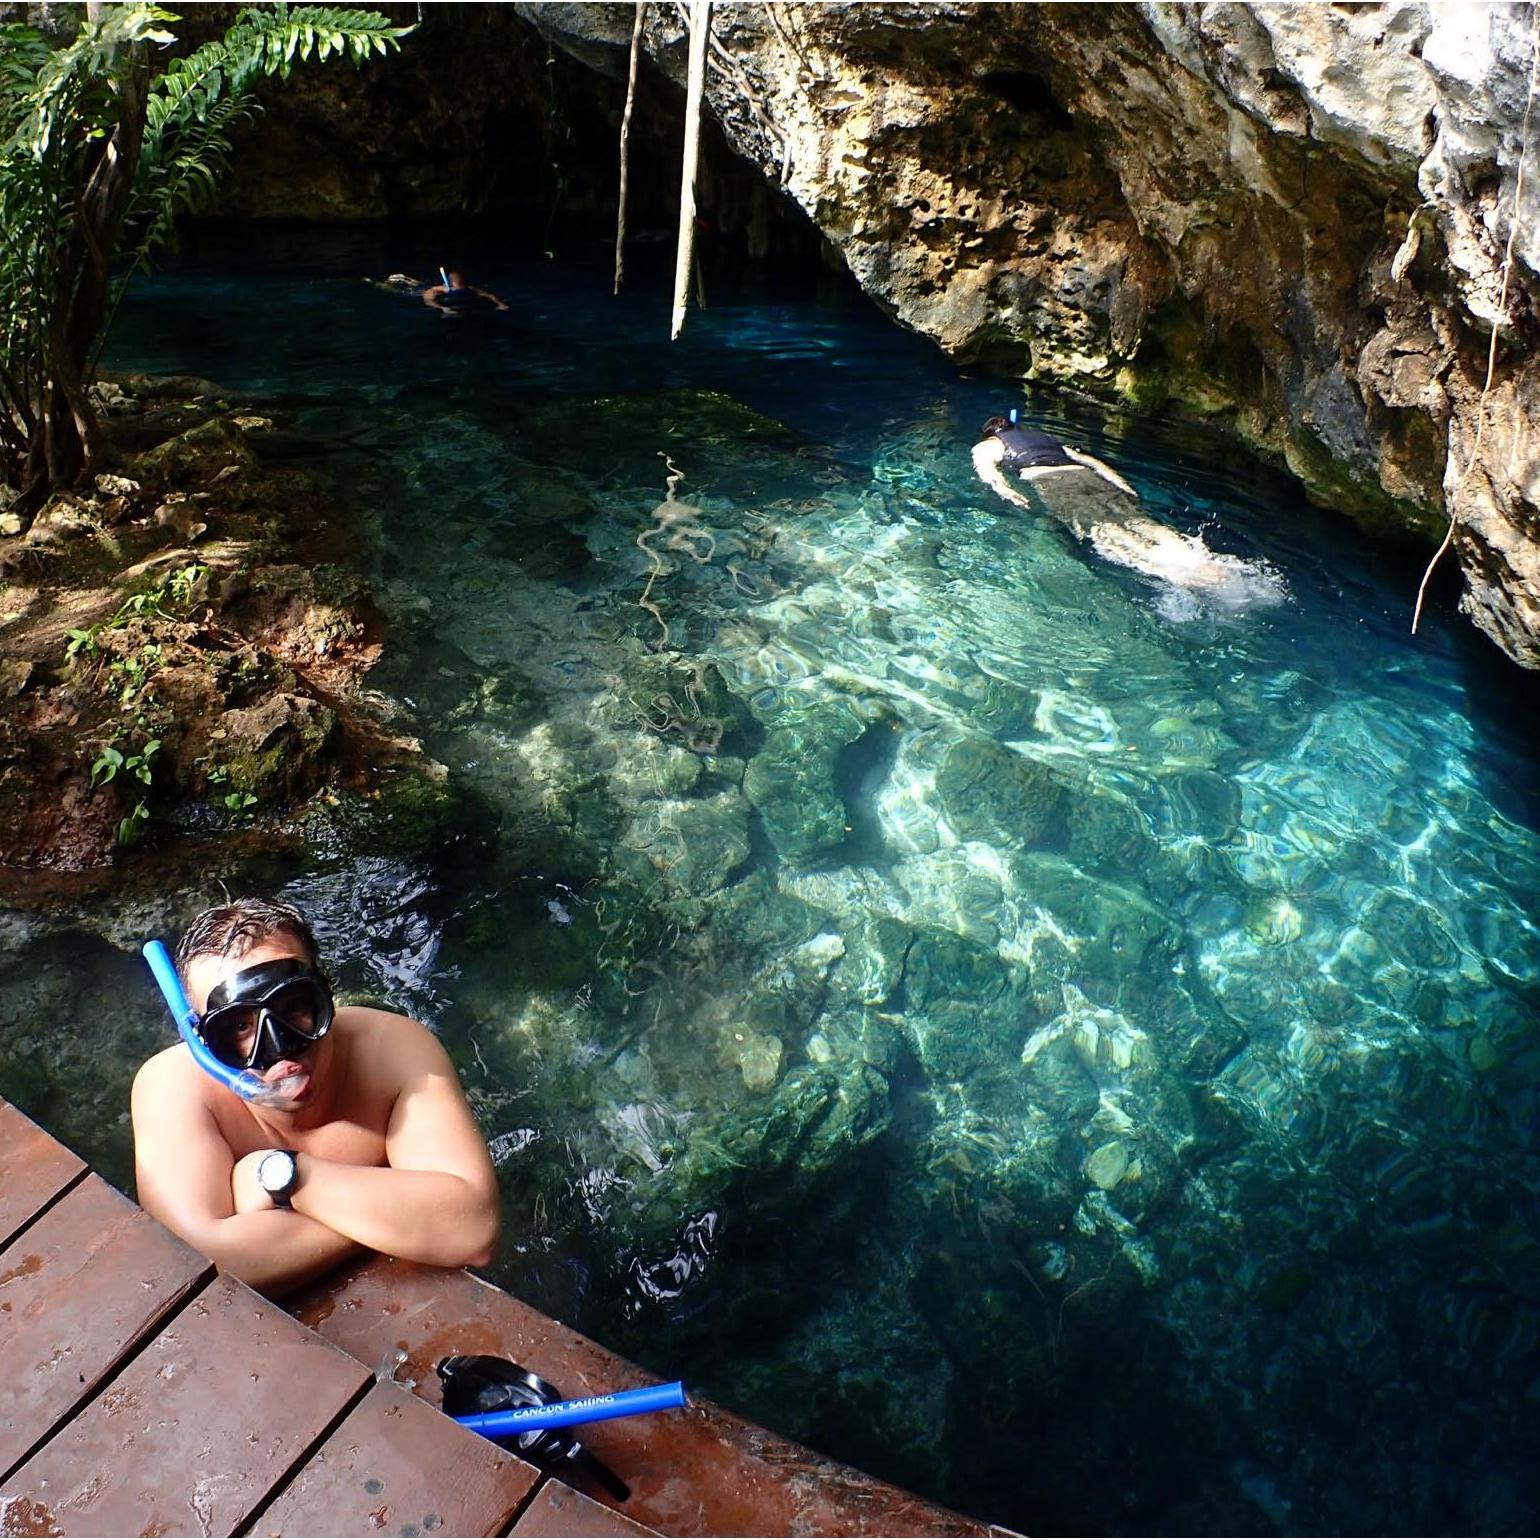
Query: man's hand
x=250 y=1196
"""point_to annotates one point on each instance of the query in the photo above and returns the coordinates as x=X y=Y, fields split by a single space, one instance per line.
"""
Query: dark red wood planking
x=197 y=1431
x=557 y=1512
x=78 y=1290
x=36 y=1169
x=396 y=1466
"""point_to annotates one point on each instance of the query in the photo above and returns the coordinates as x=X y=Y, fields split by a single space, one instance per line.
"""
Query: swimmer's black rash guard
x=1026 y=449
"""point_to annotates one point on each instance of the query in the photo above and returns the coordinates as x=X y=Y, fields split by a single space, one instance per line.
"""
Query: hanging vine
x=625 y=140
x=1482 y=411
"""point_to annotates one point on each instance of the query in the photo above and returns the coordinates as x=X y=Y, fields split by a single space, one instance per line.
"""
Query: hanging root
x=1502 y=305
x=625 y=140
x=700 y=30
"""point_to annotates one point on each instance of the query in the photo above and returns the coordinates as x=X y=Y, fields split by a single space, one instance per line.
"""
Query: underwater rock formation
x=1290 y=220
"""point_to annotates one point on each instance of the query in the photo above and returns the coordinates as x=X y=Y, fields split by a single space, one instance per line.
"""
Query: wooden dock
x=142 y=1393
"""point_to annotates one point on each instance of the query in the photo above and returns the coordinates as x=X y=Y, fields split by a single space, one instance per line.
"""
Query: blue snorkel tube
x=246 y=1085
x=568 y=1414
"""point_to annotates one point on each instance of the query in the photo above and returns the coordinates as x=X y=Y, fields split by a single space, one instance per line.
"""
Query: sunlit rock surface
x=1290 y=219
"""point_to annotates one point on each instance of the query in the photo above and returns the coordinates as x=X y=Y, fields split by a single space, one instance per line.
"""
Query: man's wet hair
x=995 y=425
x=232 y=930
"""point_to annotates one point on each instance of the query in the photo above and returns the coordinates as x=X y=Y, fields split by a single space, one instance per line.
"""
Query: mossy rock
x=412 y=814
x=273 y=749
x=997 y=796
x=196 y=458
x=790 y=783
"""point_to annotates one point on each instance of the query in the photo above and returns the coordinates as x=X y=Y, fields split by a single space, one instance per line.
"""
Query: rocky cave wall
x=1289 y=220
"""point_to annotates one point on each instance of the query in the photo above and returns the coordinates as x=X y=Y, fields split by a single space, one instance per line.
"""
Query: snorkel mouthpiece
x=246 y=1085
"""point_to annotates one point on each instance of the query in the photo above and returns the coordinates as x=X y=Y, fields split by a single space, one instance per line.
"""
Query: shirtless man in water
x=366 y=1143
x=1074 y=488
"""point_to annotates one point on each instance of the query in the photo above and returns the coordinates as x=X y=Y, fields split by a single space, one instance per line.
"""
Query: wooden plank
x=397 y=1466
x=196 y=1432
x=559 y=1513
x=36 y=1167
x=701 y=1471
x=78 y=1290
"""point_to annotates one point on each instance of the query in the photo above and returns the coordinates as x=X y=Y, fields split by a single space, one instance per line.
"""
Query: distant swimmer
x=1099 y=507
x=455 y=296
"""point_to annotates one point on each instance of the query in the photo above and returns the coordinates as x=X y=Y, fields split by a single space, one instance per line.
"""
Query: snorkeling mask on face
x=299 y=1013
x=263 y=1015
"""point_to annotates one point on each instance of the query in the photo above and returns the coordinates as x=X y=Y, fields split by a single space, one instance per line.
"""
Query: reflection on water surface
x=1070 y=1053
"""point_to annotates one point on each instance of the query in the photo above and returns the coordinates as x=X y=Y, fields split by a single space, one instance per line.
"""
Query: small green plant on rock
x=133 y=671
x=147 y=604
x=109 y=763
x=132 y=825
x=112 y=759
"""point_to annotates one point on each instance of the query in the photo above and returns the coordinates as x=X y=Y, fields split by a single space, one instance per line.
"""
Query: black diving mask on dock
x=266 y=1014
x=482 y=1382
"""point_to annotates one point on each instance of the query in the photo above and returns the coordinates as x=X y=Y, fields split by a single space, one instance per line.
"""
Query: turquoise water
x=1065 y=1048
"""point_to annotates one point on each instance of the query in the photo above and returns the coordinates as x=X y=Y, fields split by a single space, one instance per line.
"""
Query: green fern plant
x=100 y=154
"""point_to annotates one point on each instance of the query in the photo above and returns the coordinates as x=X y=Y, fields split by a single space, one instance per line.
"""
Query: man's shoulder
x=371 y=1020
x=388 y=1039
x=169 y=1078
x=166 y=1068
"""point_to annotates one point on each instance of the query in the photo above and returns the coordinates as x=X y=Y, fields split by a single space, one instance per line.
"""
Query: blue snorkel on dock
x=504 y=1401
x=246 y=1085
x=570 y=1414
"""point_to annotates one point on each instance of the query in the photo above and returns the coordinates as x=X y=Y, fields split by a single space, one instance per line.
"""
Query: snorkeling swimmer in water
x=1074 y=487
x=454 y=296
x=360 y=1136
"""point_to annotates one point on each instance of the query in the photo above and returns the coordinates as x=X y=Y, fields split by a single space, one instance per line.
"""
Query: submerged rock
x=989 y=793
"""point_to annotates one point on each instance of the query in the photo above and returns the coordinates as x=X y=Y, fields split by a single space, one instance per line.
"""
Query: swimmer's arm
x=183 y=1171
x=430 y=297
x=437 y=1200
x=488 y=294
x=1106 y=472
x=987 y=455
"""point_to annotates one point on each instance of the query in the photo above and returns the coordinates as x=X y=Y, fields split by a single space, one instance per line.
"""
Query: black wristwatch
x=278 y=1176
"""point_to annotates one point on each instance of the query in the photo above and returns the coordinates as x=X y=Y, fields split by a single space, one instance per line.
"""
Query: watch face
x=276 y=1172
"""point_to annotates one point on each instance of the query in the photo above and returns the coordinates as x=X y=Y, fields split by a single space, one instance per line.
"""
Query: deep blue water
x=1065 y=1049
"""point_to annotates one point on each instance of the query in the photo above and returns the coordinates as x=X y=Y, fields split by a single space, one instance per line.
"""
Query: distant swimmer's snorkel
x=1098 y=506
x=454 y=295
x=257 y=1019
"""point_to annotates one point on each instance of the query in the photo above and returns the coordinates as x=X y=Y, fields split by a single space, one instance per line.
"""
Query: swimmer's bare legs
x=1106 y=472
x=1116 y=530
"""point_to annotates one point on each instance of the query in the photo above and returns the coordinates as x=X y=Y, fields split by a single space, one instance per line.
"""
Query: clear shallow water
x=1066 y=1052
